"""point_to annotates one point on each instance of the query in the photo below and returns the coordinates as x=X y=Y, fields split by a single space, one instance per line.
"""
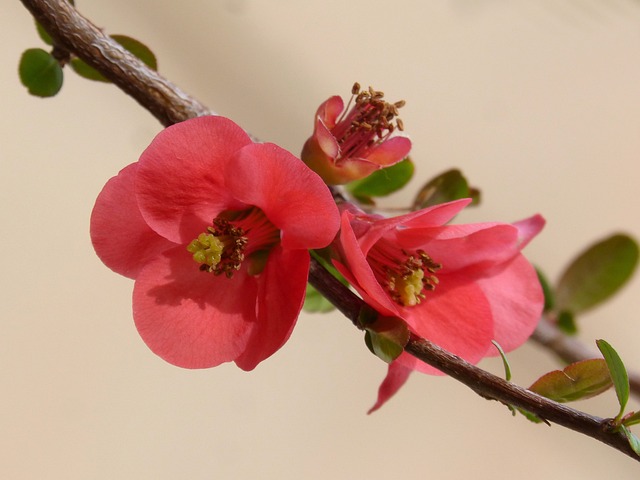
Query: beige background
x=537 y=101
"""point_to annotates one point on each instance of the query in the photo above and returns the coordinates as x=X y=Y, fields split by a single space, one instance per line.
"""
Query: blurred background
x=537 y=101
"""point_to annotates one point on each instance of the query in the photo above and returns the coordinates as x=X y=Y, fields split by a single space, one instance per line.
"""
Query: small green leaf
x=383 y=182
x=40 y=73
x=134 y=46
x=567 y=323
x=634 y=442
x=546 y=290
x=532 y=417
x=507 y=368
x=43 y=34
x=618 y=374
x=315 y=302
x=448 y=186
x=597 y=273
x=580 y=380
x=386 y=337
x=139 y=49
x=631 y=419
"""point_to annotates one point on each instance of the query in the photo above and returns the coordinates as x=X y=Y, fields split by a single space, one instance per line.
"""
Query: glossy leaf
x=315 y=302
x=597 y=273
x=448 y=186
x=383 y=182
x=386 y=337
x=580 y=380
x=40 y=73
x=618 y=373
x=546 y=290
x=634 y=442
x=134 y=46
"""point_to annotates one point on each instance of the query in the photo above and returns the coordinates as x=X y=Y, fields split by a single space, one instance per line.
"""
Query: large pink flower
x=215 y=230
x=460 y=286
x=349 y=145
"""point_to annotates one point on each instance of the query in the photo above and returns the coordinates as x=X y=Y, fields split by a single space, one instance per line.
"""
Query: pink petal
x=180 y=181
x=281 y=290
x=326 y=142
x=457 y=247
x=329 y=110
x=390 y=151
x=190 y=318
x=397 y=375
x=292 y=197
x=529 y=228
x=355 y=268
x=120 y=236
x=516 y=302
x=427 y=217
x=457 y=316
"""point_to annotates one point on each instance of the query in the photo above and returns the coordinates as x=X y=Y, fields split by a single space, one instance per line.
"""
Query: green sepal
x=618 y=373
x=386 y=337
x=382 y=182
x=448 y=186
x=40 y=73
x=566 y=322
x=547 y=291
x=134 y=46
x=597 y=273
x=580 y=380
x=315 y=302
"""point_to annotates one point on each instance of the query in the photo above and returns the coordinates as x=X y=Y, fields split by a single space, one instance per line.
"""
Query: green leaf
x=139 y=49
x=580 y=380
x=546 y=290
x=386 y=337
x=597 y=273
x=634 y=442
x=631 y=419
x=618 y=374
x=567 y=323
x=40 y=73
x=532 y=417
x=134 y=46
x=383 y=182
x=507 y=368
x=43 y=34
x=315 y=302
x=448 y=186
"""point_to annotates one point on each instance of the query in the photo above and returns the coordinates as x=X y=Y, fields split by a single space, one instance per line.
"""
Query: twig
x=75 y=34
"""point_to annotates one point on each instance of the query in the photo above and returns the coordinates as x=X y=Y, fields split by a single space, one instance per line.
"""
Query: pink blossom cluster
x=216 y=231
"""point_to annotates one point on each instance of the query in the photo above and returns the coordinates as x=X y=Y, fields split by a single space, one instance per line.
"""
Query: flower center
x=234 y=236
x=367 y=124
x=406 y=276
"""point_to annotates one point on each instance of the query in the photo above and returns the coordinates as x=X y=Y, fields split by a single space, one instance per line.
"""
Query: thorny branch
x=74 y=34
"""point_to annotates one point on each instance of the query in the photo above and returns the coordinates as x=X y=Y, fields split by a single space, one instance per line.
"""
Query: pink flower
x=460 y=286
x=350 y=144
x=215 y=231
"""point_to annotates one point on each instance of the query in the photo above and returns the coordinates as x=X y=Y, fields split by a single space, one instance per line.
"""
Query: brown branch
x=75 y=34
